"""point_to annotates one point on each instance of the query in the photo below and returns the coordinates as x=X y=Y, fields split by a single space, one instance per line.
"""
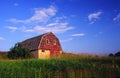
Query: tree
x=111 y=55
x=19 y=52
x=117 y=54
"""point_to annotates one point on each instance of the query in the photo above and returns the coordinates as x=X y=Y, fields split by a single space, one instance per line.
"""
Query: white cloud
x=16 y=4
x=29 y=30
x=39 y=22
x=117 y=18
x=52 y=24
x=58 y=19
x=40 y=15
x=94 y=16
x=12 y=28
x=66 y=40
x=1 y=38
x=53 y=27
x=80 y=35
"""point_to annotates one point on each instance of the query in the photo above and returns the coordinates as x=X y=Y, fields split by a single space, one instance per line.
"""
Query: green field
x=63 y=67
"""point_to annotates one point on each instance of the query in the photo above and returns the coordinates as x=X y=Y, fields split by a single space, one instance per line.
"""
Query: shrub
x=19 y=52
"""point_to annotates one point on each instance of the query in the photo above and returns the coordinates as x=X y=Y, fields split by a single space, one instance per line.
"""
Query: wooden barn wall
x=35 y=54
x=55 y=49
x=43 y=55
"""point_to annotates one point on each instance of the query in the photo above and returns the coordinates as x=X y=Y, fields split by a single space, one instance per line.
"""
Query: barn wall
x=53 y=44
x=60 y=52
x=43 y=55
x=35 y=54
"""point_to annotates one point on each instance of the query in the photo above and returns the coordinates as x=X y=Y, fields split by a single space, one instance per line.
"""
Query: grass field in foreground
x=63 y=67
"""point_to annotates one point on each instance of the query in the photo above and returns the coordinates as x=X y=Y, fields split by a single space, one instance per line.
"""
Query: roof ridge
x=33 y=37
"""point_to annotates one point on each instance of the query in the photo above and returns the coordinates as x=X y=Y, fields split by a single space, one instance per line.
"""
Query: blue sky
x=83 y=26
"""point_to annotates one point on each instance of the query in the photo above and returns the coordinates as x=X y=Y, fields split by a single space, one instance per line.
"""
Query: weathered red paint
x=50 y=42
x=43 y=43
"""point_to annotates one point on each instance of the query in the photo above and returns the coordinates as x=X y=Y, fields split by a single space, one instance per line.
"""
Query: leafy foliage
x=19 y=52
x=117 y=54
x=111 y=55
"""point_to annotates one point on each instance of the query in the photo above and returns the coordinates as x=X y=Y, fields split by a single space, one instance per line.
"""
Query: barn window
x=47 y=41
x=54 y=42
x=43 y=50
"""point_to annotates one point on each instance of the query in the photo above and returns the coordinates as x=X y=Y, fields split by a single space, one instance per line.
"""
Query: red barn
x=43 y=46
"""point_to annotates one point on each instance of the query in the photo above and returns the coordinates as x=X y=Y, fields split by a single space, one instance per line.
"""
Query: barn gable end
x=43 y=46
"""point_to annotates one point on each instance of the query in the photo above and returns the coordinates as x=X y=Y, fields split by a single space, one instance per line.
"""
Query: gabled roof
x=33 y=43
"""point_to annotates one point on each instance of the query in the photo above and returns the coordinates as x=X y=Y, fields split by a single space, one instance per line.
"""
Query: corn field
x=68 y=67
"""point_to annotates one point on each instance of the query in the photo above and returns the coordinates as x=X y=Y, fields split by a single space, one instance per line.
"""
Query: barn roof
x=33 y=43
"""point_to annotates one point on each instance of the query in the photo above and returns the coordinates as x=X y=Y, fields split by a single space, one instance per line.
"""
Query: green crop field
x=63 y=67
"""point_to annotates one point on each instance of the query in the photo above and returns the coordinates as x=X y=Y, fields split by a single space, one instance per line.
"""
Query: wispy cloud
x=40 y=15
x=94 y=16
x=52 y=24
x=66 y=40
x=100 y=32
x=16 y=4
x=12 y=28
x=1 y=38
x=52 y=27
x=78 y=35
x=117 y=17
x=58 y=19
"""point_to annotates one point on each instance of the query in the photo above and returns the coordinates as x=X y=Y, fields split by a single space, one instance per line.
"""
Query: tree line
x=117 y=54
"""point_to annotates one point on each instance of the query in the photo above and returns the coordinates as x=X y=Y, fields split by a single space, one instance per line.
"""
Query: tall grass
x=63 y=67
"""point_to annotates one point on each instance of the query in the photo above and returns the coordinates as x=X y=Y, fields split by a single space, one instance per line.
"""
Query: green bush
x=19 y=52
